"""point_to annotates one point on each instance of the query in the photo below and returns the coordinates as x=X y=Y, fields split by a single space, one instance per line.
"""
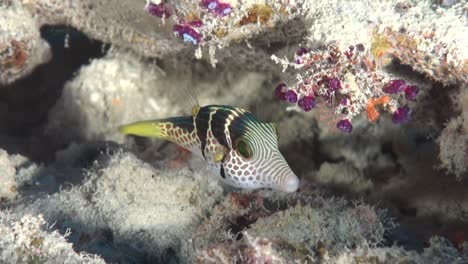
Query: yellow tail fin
x=151 y=128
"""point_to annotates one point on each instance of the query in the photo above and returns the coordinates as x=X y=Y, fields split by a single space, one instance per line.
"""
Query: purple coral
x=306 y=103
x=411 y=92
x=196 y=23
x=223 y=9
x=401 y=115
x=301 y=51
x=216 y=7
x=291 y=96
x=394 y=86
x=349 y=53
x=159 y=10
x=334 y=84
x=344 y=126
x=187 y=33
x=280 y=91
x=210 y=4
x=344 y=101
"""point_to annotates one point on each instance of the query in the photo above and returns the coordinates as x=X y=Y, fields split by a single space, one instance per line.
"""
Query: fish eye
x=243 y=148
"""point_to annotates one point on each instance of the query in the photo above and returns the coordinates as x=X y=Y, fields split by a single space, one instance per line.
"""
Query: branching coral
x=348 y=81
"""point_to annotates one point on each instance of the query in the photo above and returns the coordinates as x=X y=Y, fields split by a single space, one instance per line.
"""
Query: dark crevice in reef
x=26 y=102
x=240 y=224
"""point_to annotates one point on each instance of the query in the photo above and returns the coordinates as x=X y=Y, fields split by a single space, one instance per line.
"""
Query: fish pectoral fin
x=219 y=155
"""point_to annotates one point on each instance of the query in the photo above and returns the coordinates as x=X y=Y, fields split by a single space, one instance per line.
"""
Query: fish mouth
x=290 y=184
x=281 y=177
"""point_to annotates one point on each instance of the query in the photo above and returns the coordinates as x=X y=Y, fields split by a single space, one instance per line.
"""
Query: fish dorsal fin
x=275 y=128
x=193 y=104
x=186 y=93
x=195 y=110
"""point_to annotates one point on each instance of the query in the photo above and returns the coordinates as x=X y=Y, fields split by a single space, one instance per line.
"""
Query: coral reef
x=350 y=76
x=96 y=103
x=298 y=228
x=7 y=177
x=215 y=24
x=439 y=251
x=123 y=23
x=258 y=250
x=24 y=240
x=21 y=46
x=166 y=205
x=265 y=227
x=392 y=75
x=453 y=141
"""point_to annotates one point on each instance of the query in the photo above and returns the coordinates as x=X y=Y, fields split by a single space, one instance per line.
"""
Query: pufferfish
x=239 y=148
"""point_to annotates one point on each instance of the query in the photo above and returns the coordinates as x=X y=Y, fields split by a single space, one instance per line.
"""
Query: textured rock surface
x=21 y=46
x=28 y=239
x=123 y=23
x=124 y=202
x=7 y=177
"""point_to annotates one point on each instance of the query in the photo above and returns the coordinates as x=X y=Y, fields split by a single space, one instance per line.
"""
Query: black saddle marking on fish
x=222 y=172
x=218 y=123
x=222 y=167
x=240 y=124
x=202 y=120
x=183 y=122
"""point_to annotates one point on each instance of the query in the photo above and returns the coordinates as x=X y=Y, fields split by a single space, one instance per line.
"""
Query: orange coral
x=257 y=13
x=372 y=113
x=221 y=32
x=17 y=55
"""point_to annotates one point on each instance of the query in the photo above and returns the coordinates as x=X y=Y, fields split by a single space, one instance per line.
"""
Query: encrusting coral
x=7 y=177
x=453 y=141
x=96 y=103
x=29 y=239
x=439 y=251
x=298 y=227
x=21 y=46
x=350 y=78
x=269 y=228
x=122 y=23
x=166 y=205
